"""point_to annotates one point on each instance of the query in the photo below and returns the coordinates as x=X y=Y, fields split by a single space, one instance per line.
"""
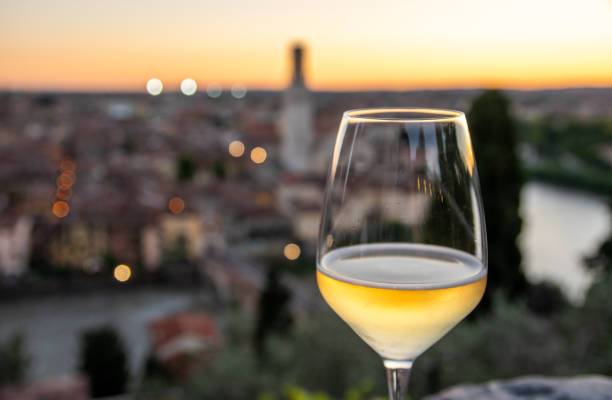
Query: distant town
x=92 y=182
x=200 y=188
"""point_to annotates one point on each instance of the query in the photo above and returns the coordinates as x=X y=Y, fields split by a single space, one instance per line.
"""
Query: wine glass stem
x=398 y=375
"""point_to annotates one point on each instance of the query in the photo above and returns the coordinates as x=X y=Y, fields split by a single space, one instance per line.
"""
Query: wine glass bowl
x=402 y=247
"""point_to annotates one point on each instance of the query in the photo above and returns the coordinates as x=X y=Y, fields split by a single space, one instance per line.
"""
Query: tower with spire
x=296 y=118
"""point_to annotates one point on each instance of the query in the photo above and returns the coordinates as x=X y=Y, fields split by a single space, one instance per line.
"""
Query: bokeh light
x=176 y=205
x=258 y=155
x=238 y=90
x=214 y=90
x=154 y=86
x=60 y=209
x=63 y=194
x=292 y=251
x=122 y=273
x=189 y=87
x=64 y=181
x=69 y=172
x=236 y=148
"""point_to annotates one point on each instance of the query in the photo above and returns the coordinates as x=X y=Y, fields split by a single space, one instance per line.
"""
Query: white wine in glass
x=402 y=249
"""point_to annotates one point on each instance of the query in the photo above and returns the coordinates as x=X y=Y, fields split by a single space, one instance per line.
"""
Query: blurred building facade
x=15 y=244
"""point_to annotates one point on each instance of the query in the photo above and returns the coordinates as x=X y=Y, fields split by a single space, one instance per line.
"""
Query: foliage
x=109 y=262
x=237 y=328
x=295 y=392
x=591 y=326
x=185 y=167
x=573 y=340
x=104 y=360
x=273 y=315
x=553 y=137
x=156 y=370
x=324 y=354
x=129 y=146
x=176 y=252
x=545 y=298
x=13 y=361
x=559 y=173
x=601 y=261
x=568 y=153
x=236 y=374
x=302 y=266
x=321 y=355
x=219 y=169
x=531 y=345
x=323 y=359
x=494 y=139
x=40 y=265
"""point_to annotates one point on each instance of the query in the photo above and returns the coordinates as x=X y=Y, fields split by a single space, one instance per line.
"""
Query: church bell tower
x=296 y=119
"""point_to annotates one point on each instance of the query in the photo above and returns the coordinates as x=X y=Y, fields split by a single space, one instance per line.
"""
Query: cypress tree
x=494 y=140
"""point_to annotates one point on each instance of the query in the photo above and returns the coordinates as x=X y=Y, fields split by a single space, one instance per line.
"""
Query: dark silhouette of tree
x=601 y=260
x=185 y=167
x=13 y=361
x=104 y=360
x=219 y=169
x=176 y=252
x=494 y=139
x=273 y=314
x=546 y=299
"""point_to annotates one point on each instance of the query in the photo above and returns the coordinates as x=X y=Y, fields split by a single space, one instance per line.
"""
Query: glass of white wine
x=402 y=252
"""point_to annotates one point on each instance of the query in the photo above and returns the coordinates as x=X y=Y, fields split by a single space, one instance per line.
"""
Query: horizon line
x=331 y=90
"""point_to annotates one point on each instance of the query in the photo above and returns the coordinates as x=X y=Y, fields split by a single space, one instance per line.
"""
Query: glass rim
x=402 y=114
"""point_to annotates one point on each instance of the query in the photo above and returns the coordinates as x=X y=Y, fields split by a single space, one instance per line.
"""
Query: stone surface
x=592 y=387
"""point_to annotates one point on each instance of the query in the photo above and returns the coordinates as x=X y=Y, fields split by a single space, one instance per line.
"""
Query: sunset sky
x=387 y=44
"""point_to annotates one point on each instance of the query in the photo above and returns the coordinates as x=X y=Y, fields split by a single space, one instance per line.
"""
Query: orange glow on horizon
x=551 y=77
x=115 y=45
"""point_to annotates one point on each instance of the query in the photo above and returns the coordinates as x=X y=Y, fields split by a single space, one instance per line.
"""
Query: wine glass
x=402 y=252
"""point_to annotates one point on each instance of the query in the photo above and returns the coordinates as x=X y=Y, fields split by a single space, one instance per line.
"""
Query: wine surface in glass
x=401 y=298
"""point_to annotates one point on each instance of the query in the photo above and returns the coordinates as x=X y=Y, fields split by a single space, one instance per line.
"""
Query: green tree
x=601 y=261
x=185 y=167
x=494 y=141
x=219 y=169
x=13 y=361
x=104 y=360
x=176 y=252
x=273 y=314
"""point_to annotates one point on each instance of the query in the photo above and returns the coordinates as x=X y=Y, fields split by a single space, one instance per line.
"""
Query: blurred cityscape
x=169 y=216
